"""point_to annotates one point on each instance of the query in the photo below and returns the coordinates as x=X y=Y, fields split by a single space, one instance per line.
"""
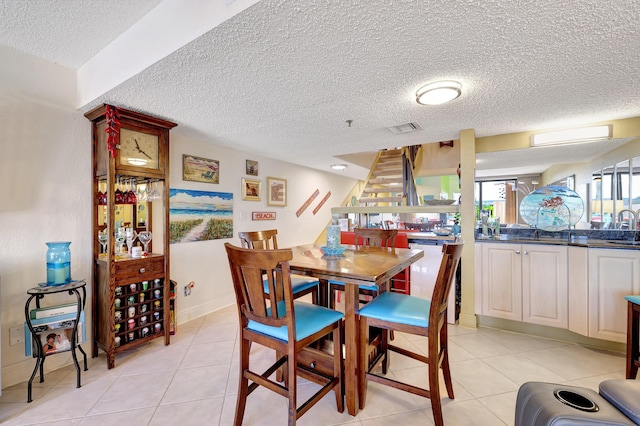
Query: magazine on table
x=54 y=334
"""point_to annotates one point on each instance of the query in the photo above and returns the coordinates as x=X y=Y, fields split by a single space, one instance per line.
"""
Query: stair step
x=394 y=162
x=386 y=181
x=387 y=173
x=382 y=190
x=367 y=200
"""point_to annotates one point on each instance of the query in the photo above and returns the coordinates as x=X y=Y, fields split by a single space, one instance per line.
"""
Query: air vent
x=405 y=128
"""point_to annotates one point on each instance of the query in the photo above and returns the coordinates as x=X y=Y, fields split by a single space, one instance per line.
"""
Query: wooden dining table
x=362 y=265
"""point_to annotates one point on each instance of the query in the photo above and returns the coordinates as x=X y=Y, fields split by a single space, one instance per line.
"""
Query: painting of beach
x=199 y=215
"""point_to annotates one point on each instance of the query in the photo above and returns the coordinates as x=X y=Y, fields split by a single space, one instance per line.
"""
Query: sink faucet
x=632 y=215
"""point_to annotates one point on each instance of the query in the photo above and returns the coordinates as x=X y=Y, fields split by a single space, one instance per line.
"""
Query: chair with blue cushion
x=267 y=240
x=375 y=237
x=276 y=321
x=410 y=314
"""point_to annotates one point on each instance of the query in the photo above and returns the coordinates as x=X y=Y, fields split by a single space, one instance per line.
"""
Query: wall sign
x=263 y=215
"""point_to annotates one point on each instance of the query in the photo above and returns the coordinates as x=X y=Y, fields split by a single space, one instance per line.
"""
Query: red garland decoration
x=113 y=128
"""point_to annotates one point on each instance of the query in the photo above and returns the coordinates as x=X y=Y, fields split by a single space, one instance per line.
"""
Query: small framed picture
x=276 y=191
x=252 y=168
x=198 y=169
x=251 y=189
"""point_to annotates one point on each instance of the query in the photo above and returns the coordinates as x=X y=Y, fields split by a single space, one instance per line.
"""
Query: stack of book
x=53 y=326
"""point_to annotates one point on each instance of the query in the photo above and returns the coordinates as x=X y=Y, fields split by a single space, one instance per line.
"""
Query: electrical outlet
x=16 y=335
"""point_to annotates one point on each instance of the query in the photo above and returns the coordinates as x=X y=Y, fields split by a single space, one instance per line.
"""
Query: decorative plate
x=333 y=251
x=552 y=208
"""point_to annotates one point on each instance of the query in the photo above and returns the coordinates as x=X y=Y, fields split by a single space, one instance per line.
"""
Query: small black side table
x=38 y=293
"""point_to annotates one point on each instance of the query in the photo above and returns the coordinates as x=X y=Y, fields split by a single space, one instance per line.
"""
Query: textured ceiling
x=281 y=78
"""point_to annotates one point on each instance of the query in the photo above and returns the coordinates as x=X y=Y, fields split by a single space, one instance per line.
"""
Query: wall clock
x=138 y=149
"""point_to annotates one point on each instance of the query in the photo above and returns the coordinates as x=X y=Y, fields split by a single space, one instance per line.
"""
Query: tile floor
x=194 y=380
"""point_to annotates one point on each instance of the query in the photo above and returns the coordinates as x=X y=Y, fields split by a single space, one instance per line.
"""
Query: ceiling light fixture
x=570 y=136
x=338 y=166
x=438 y=93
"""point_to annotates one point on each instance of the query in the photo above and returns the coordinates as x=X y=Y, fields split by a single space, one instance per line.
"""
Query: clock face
x=138 y=149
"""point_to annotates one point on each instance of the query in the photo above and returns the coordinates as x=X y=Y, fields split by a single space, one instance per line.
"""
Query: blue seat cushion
x=363 y=287
x=398 y=308
x=633 y=299
x=624 y=395
x=309 y=319
x=298 y=283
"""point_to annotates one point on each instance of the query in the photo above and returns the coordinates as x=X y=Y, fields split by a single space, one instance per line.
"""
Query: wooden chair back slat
x=249 y=267
x=262 y=240
x=376 y=237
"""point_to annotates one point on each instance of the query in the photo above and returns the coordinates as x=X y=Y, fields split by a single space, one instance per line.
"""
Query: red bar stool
x=633 y=336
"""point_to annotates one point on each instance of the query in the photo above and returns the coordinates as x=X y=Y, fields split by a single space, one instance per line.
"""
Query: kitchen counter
x=579 y=241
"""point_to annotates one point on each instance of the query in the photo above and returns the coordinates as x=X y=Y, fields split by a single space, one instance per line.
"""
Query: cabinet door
x=578 y=268
x=501 y=281
x=613 y=274
x=544 y=285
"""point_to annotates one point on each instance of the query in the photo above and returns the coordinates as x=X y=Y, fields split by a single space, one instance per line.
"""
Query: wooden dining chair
x=375 y=237
x=267 y=240
x=410 y=314
x=276 y=321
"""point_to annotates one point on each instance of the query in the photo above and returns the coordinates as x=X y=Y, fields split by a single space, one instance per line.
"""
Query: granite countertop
x=564 y=239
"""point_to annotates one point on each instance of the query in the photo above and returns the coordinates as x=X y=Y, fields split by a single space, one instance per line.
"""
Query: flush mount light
x=338 y=166
x=438 y=93
x=570 y=136
x=137 y=161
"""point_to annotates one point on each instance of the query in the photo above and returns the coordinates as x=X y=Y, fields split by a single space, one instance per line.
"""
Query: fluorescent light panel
x=569 y=136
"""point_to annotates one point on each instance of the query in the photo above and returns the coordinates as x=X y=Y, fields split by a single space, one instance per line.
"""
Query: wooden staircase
x=385 y=182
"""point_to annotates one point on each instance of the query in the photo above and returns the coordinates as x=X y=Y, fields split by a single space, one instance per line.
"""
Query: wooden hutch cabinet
x=130 y=297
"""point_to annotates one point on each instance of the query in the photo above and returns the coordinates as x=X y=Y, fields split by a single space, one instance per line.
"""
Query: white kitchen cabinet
x=545 y=285
x=501 y=281
x=525 y=282
x=578 y=266
x=613 y=274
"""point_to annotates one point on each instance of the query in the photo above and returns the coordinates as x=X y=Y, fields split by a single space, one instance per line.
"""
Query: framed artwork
x=251 y=189
x=252 y=168
x=199 y=215
x=276 y=192
x=198 y=169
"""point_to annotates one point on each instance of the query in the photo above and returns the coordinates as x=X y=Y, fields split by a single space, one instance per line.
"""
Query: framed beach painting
x=251 y=189
x=199 y=215
x=276 y=192
x=198 y=169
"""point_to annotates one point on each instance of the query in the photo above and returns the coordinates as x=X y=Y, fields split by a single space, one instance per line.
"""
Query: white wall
x=205 y=262
x=45 y=189
x=45 y=195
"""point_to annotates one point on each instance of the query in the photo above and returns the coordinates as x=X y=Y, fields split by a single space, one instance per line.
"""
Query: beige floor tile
x=197 y=383
x=131 y=417
x=480 y=379
x=521 y=370
x=132 y=392
x=194 y=381
x=502 y=405
x=190 y=413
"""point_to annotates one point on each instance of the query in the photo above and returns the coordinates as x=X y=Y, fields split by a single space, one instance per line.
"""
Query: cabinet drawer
x=139 y=269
